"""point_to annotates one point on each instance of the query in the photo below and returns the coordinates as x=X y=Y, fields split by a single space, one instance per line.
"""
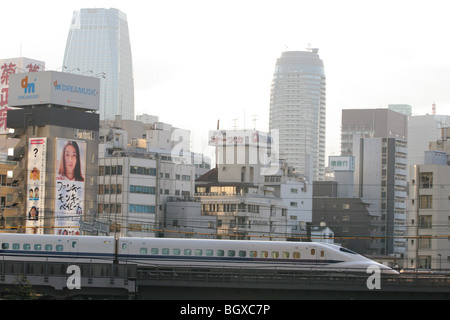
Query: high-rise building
x=381 y=181
x=298 y=111
x=377 y=139
x=428 y=216
x=98 y=44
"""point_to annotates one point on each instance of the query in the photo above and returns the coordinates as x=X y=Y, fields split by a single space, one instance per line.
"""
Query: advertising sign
x=9 y=67
x=70 y=165
x=36 y=185
x=342 y=163
x=51 y=87
x=240 y=137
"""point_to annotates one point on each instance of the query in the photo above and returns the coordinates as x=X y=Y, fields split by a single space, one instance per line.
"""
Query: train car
x=57 y=248
x=307 y=256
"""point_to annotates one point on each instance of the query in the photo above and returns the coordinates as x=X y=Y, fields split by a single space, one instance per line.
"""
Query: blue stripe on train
x=142 y=257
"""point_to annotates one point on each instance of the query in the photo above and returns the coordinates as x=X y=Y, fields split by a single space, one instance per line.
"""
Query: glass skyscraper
x=98 y=44
x=298 y=111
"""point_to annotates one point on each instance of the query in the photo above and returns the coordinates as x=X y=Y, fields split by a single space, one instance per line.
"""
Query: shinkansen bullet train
x=308 y=256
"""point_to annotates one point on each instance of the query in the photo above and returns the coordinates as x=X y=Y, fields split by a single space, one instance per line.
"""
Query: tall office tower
x=99 y=45
x=298 y=111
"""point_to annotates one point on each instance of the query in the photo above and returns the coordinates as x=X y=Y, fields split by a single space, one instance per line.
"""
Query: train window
x=275 y=254
x=285 y=255
x=38 y=247
x=48 y=247
x=26 y=246
x=59 y=247
x=264 y=254
x=154 y=251
x=347 y=250
x=187 y=252
x=143 y=251
x=74 y=244
x=16 y=246
x=296 y=255
x=231 y=253
x=176 y=252
x=313 y=252
x=209 y=252
x=220 y=253
x=165 y=251
x=242 y=253
x=5 y=246
x=198 y=252
x=253 y=254
x=322 y=253
x=124 y=246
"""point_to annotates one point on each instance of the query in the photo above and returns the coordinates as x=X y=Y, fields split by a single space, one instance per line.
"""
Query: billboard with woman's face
x=70 y=165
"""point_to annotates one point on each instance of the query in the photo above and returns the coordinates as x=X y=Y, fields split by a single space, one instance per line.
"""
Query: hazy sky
x=198 y=61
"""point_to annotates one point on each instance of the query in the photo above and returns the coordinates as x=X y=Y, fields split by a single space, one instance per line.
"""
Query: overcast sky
x=198 y=61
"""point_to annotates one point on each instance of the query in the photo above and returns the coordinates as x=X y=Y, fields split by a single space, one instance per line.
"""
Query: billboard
x=51 y=87
x=240 y=137
x=342 y=163
x=9 y=67
x=70 y=166
x=37 y=151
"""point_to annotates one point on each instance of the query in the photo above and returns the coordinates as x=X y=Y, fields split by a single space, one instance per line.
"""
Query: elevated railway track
x=128 y=281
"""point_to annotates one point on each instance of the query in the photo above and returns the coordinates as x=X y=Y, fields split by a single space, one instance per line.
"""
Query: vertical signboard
x=37 y=154
x=9 y=67
x=70 y=166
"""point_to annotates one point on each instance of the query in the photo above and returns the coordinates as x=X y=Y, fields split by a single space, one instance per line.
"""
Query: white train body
x=308 y=256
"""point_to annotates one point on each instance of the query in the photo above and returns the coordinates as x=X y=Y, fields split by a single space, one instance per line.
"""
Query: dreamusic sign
x=51 y=87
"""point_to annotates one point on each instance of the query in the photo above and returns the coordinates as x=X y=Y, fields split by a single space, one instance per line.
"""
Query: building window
x=425 y=202
x=425 y=243
x=141 y=208
x=142 y=171
x=425 y=222
x=426 y=180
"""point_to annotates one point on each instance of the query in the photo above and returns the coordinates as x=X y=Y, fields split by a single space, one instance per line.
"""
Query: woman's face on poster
x=70 y=159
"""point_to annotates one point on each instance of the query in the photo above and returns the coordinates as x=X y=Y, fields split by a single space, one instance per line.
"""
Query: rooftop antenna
x=255 y=117
x=313 y=50
x=235 y=124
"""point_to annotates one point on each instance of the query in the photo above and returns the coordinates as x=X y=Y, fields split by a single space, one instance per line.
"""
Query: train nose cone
x=384 y=269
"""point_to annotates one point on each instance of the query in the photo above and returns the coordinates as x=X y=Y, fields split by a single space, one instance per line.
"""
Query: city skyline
x=369 y=63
